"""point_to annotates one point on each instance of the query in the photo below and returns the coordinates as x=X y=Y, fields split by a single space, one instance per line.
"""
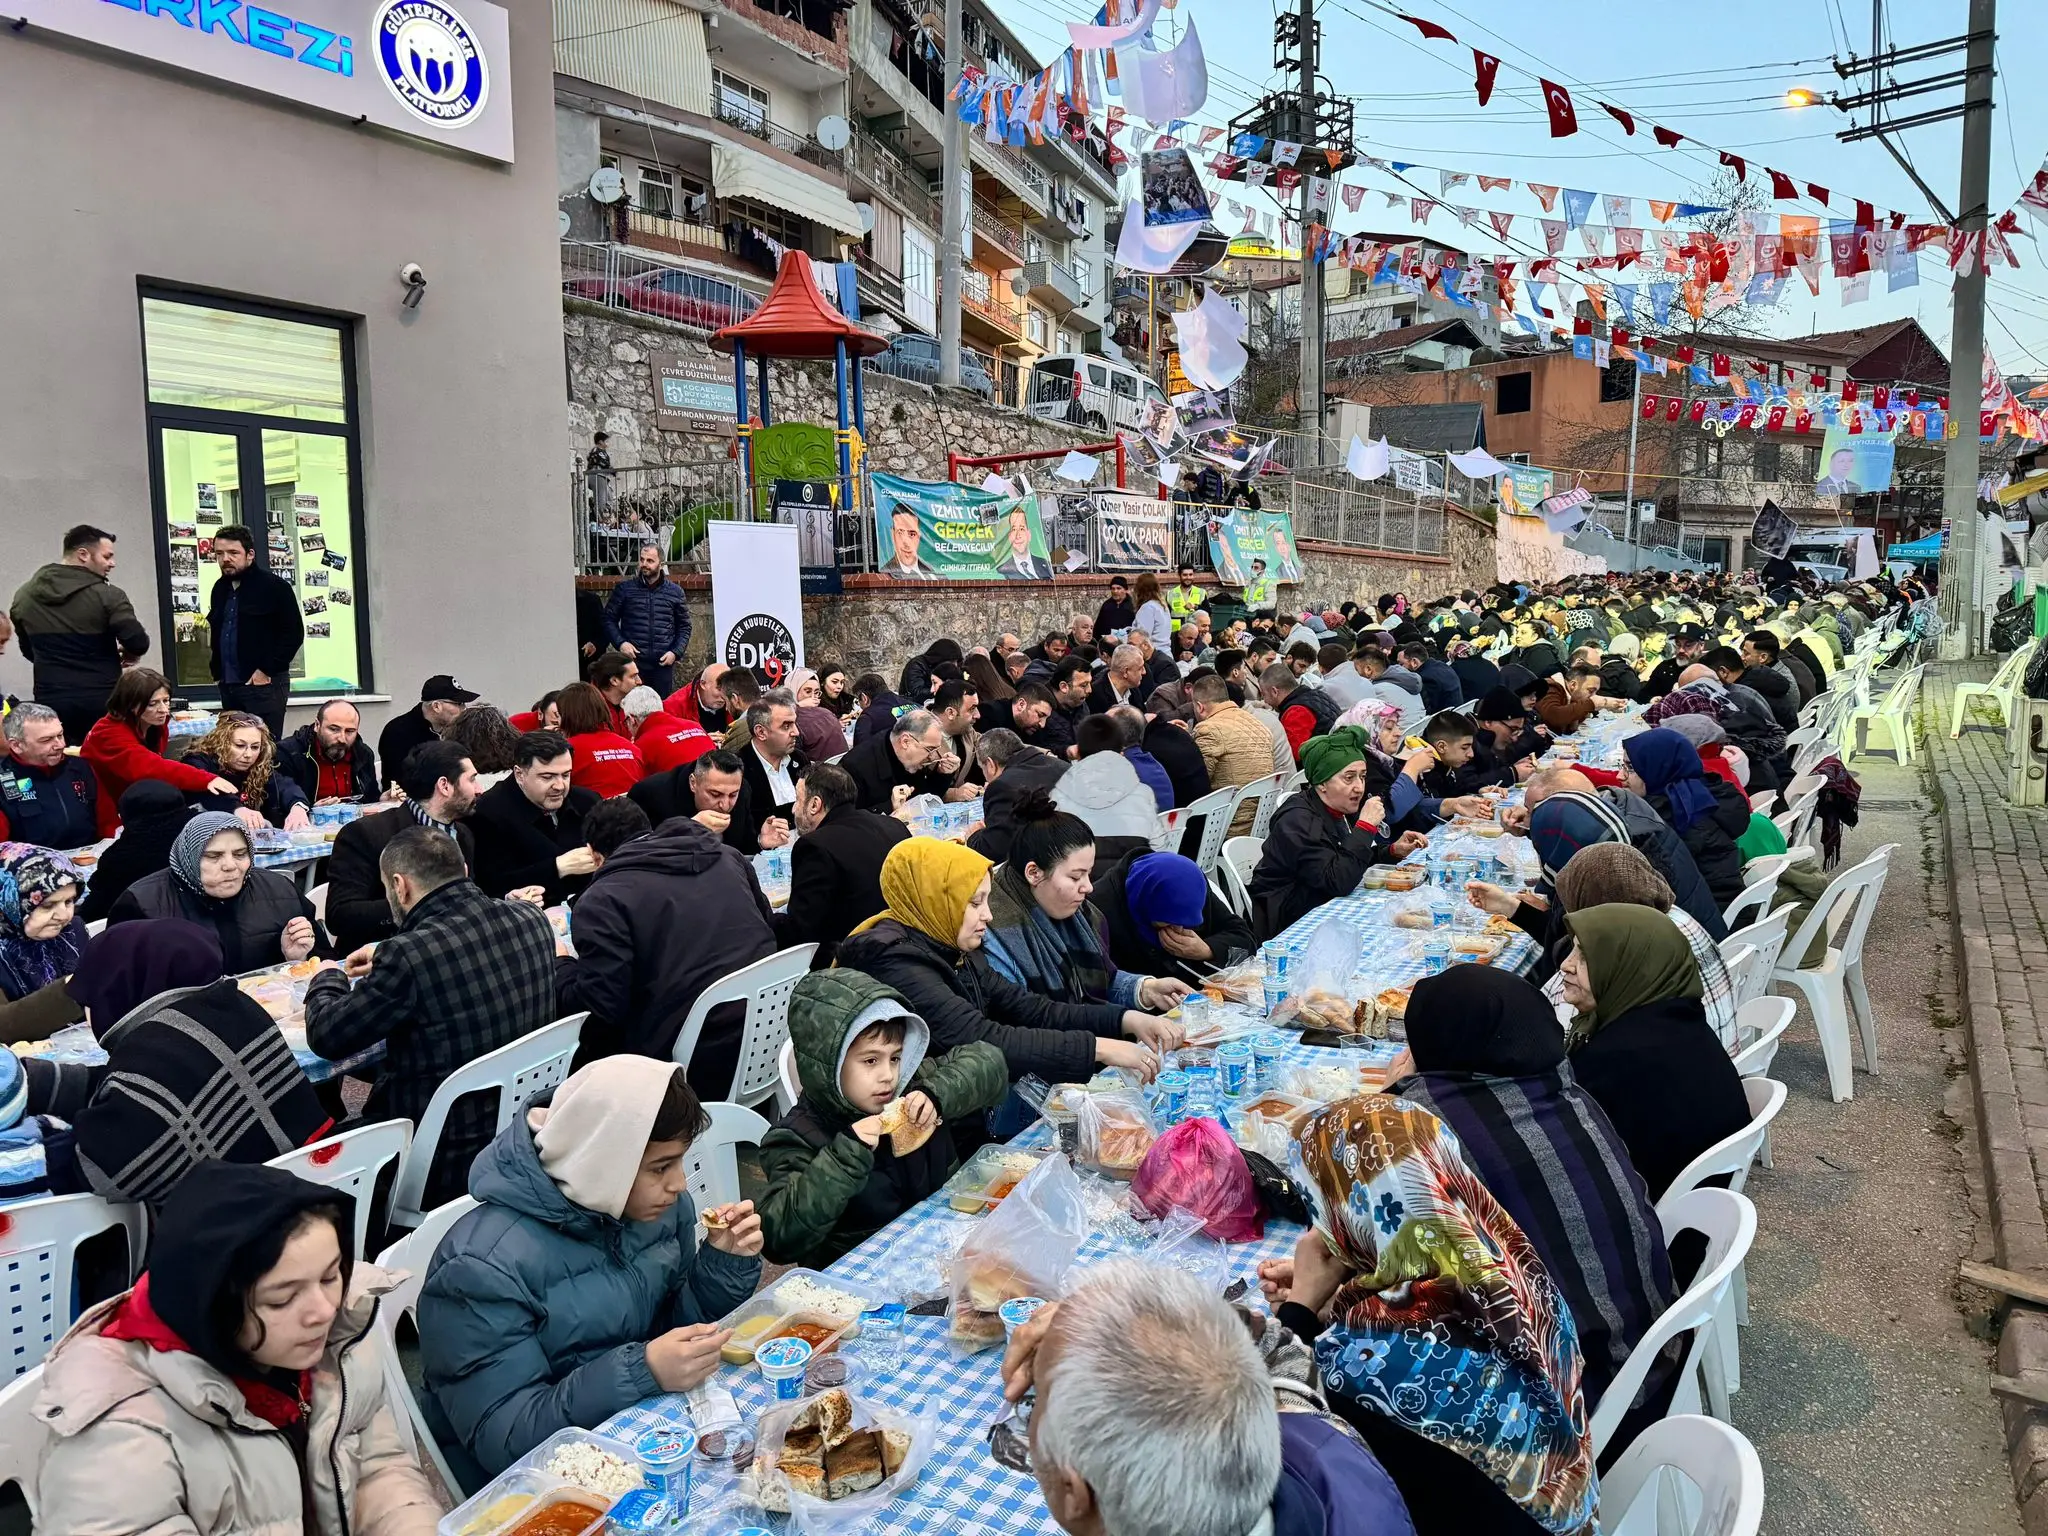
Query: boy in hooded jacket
x=835 y=1176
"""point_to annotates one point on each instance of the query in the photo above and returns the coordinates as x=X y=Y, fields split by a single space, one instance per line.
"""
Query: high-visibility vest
x=1258 y=591
x=1182 y=601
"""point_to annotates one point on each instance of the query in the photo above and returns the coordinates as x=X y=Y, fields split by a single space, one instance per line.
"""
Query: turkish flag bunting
x=1856 y=425
x=1563 y=120
x=1774 y=419
x=1942 y=404
x=1429 y=29
x=1849 y=391
x=1649 y=407
x=1582 y=326
x=1987 y=423
x=1720 y=365
x=1911 y=396
x=1685 y=354
x=1672 y=407
x=1866 y=216
x=1697 y=411
x=1802 y=421
x=1881 y=397
x=1628 y=124
x=1666 y=137
x=1782 y=185
x=1485 y=67
x=1818 y=380
x=1746 y=417
x=1817 y=192
x=1737 y=164
x=1620 y=337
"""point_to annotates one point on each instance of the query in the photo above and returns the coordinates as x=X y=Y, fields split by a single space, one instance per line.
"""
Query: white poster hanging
x=757 y=610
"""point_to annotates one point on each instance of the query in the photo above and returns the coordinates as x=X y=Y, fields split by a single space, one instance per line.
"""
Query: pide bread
x=905 y=1134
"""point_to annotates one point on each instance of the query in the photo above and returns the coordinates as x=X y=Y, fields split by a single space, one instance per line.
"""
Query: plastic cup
x=782 y=1363
x=1194 y=1013
x=1436 y=953
x=667 y=1455
x=1234 y=1068
x=1017 y=1311
x=1171 y=1087
x=1266 y=1049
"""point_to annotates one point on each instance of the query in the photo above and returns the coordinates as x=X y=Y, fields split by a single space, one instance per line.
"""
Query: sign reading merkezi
x=438 y=70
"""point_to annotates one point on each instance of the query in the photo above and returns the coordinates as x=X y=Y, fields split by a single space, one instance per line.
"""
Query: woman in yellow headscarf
x=927 y=945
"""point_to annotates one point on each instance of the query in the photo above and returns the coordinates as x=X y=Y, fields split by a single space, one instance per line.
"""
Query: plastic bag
x=1114 y=1131
x=832 y=1517
x=1319 y=976
x=1195 y=1167
x=1025 y=1247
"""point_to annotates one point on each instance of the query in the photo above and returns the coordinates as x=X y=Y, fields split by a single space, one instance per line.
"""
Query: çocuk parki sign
x=438 y=70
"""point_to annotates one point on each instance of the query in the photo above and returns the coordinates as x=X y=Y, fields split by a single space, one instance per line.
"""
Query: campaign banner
x=937 y=530
x=1522 y=488
x=1248 y=548
x=757 y=610
x=1852 y=464
x=1136 y=532
x=812 y=508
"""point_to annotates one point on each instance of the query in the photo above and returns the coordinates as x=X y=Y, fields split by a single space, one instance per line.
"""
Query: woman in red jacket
x=604 y=760
x=126 y=746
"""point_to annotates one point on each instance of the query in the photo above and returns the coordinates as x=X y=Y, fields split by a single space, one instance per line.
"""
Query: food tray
x=868 y=1295
x=970 y=1190
x=821 y=1330
x=536 y=1460
x=468 y=1518
x=739 y=1350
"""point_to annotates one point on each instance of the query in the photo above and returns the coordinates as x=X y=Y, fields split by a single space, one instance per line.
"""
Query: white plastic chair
x=39 y=1242
x=712 y=1166
x=1741 y=963
x=1763 y=800
x=351 y=1161
x=22 y=1436
x=1240 y=859
x=1894 y=712
x=1796 y=824
x=95 y=928
x=789 y=1087
x=529 y=1066
x=1722 y=1467
x=410 y=1256
x=317 y=897
x=1733 y=1154
x=764 y=987
x=1834 y=989
x=1766 y=937
x=1264 y=796
x=2001 y=690
x=1215 y=810
x=1760 y=1024
x=1762 y=877
x=1728 y=1221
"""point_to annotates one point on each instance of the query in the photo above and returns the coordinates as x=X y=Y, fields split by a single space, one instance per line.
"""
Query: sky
x=1717 y=71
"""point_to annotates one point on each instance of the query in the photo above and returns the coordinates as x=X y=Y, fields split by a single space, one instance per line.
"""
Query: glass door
x=199 y=488
x=309 y=544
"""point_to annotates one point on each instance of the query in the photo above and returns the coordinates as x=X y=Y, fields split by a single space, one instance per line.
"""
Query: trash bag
x=1196 y=1167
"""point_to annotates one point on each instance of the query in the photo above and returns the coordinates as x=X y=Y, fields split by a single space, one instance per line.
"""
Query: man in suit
x=439 y=782
x=910 y=760
x=835 y=870
x=1122 y=682
x=1019 y=564
x=528 y=828
x=769 y=764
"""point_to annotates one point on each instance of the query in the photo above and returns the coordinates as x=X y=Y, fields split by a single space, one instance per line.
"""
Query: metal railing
x=1056 y=279
x=791 y=142
x=622 y=279
x=1337 y=509
x=995 y=308
x=883 y=169
x=998 y=231
x=668 y=505
x=881 y=288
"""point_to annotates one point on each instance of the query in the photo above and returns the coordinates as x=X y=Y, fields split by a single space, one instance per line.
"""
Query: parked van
x=1091 y=392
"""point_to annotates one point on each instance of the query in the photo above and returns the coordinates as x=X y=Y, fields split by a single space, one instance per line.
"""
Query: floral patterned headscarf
x=29 y=877
x=1447 y=1323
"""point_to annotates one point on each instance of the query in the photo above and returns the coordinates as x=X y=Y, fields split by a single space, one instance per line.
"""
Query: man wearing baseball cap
x=1688 y=645
x=441 y=700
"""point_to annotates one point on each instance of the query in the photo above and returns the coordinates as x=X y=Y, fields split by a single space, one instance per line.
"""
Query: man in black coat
x=46 y=797
x=1173 y=745
x=1688 y=645
x=769 y=764
x=1010 y=768
x=1121 y=682
x=528 y=828
x=835 y=869
x=329 y=760
x=440 y=789
x=255 y=629
x=890 y=769
x=1774 y=689
x=441 y=700
x=1441 y=688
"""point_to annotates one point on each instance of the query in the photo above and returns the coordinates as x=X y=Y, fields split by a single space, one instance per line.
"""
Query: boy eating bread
x=865 y=1139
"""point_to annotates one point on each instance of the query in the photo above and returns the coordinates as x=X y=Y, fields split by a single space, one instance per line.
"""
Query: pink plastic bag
x=1196 y=1167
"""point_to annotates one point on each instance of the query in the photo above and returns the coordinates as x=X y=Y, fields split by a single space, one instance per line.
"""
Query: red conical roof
x=795 y=321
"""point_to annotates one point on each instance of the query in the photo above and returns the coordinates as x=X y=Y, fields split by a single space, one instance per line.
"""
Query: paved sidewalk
x=1998 y=864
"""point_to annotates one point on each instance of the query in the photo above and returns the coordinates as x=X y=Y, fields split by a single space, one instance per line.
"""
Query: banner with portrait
x=1851 y=464
x=937 y=530
x=1238 y=540
x=1522 y=488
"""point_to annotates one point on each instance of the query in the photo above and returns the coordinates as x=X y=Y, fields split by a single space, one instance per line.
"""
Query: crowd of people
x=1053 y=940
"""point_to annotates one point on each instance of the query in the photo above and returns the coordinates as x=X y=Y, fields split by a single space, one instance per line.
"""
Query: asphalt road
x=1864 y=1379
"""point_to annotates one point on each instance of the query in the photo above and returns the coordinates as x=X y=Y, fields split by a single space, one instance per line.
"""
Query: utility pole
x=1628 y=495
x=1308 y=393
x=1959 y=597
x=952 y=211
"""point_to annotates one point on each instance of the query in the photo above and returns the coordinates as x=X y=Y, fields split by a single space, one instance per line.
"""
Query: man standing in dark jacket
x=78 y=628
x=1117 y=612
x=666 y=915
x=529 y=827
x=835 y=869
x=329 y=759
x=463 y=975
x=254 y=628
x=46 y=798
x=440 y=789
x=648 y=620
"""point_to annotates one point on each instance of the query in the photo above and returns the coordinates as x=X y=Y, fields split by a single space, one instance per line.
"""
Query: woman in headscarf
x=258 y=915
x=927 y=944
x=1477 y=676
x=1438 y=1332
x=1718 y=755
x=235 y=1389
x=1489 y=1061
x=239 y=749
x=1608 y=874
x=1708 y=816
x=1641 y=1044
x=819 y=734
x=41 y=937
x=1322 y=841
x=1162 y=918
x=153 y=813
x=1043 y=932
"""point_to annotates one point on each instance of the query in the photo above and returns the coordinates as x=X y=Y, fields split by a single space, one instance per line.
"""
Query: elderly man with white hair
x=1161 y=1410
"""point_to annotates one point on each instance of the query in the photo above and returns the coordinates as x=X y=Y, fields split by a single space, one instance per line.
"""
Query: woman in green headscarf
x=1324 y=839
x=1641 y=1044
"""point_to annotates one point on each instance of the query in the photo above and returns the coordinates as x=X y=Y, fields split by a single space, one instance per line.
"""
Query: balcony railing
x=883 y=169
x=876 y=287
x=613 y=276
x=788 y=140
x=1054 y=284
x=998 y=231
x=994 y=308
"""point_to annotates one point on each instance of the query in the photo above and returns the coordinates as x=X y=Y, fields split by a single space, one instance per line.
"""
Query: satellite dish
x=562 y=222
x=867 y=217
x=608 y=186
x=833 y=133
x=1018 y=286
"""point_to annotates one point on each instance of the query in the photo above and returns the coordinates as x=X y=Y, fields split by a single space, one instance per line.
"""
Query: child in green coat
x=835 y=1171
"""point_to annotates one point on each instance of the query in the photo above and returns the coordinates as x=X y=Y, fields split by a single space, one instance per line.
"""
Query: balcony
x=885 y=172
x=753 y=123
x=991 y=229
x=1026 y=180
x=1053 y=285
x=979 y=301
x=878 y=289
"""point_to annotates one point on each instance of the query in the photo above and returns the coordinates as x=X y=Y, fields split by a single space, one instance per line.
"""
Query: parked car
x=688 y=298
x=1091 y=392
x=915 y=357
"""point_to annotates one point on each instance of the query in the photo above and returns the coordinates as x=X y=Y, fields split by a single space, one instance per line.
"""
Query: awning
x=738 y=172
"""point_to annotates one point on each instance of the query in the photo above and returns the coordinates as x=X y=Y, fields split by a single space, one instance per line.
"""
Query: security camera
x=415 y=284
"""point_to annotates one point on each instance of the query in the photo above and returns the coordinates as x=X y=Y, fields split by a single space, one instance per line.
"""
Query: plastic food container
x=538 y=1459
x=989 y=1175
x=782 y=1363
x=1018 y=1311
x=501 y=1502
x=821 y=1330
x=794 y=1295
x=562 y=1512
x=752 y=1323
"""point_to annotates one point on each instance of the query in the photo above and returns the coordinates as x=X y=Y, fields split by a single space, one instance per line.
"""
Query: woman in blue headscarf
x=1708 y=814
x=1162 y=919
x=40 y=940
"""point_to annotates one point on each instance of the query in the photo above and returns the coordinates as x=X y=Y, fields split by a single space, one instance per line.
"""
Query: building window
x=1064 y=343
x=656 y=193
x=252 y=421
x=1511 y=394
x=1034 y=248
x=1764 y=461
x=1080 y=271
x=920 y=278
x=1703 y=453
x=738 y=101
x=1036 y=328
x=1617 y=381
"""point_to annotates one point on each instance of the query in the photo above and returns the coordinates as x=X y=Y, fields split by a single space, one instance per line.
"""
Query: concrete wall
x=115 y=172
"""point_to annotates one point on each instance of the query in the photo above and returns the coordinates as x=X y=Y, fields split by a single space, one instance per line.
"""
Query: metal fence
x=662 y=504
x=1337 y=509
x=610 y=274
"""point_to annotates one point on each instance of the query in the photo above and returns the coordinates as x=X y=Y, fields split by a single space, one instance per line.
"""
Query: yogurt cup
x=667 y=1454
x=1017 y=1311
x=782 y=1363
